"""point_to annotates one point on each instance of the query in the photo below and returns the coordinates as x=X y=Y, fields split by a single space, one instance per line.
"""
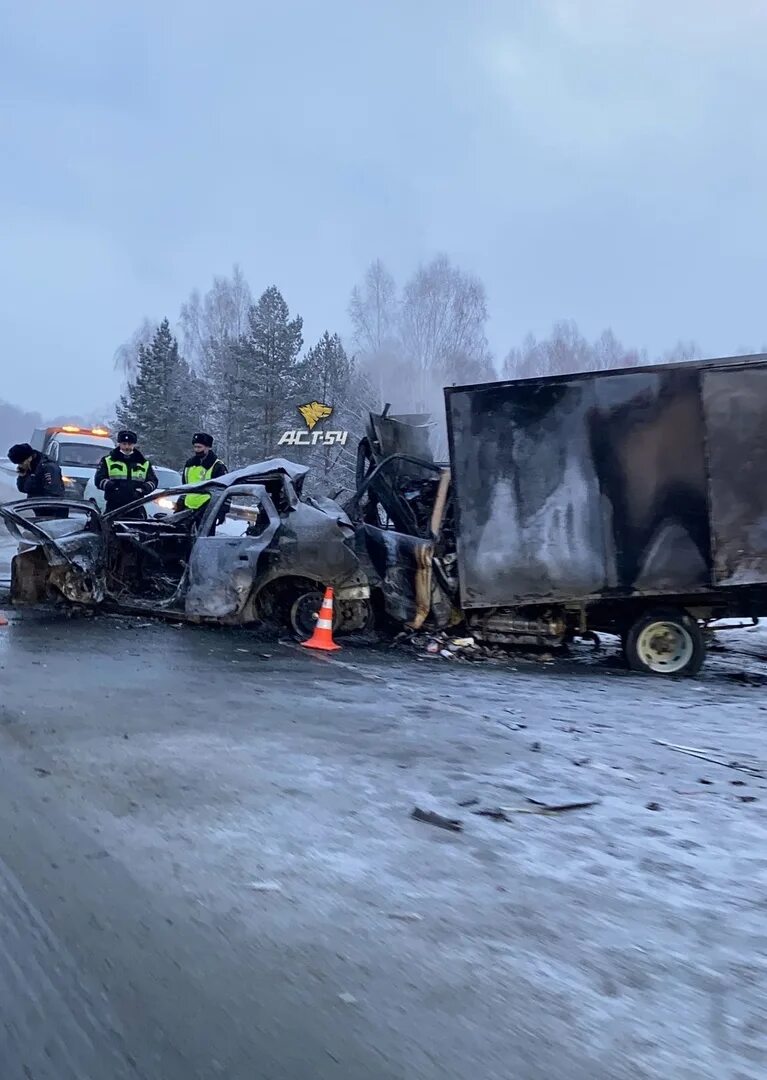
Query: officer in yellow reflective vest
x=125 y=475
x=202 y=465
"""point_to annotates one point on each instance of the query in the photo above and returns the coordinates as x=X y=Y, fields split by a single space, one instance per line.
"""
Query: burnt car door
x=239 y=525
x=59 y=556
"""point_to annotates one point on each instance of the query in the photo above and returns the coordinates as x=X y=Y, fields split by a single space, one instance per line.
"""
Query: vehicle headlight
x=165 y=503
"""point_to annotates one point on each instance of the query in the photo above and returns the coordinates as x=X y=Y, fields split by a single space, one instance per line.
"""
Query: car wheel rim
x=303 y=614
x=665 y=647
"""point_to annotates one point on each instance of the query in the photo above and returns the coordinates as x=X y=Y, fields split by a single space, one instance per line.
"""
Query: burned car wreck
x=403 y=509
x=259 y=550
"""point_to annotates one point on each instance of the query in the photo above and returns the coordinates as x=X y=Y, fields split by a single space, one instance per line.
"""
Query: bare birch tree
x=442 y=328
x=566 y=351
x=126 y=355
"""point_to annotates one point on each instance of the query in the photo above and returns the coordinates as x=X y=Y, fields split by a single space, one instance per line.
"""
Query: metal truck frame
x=631 y=501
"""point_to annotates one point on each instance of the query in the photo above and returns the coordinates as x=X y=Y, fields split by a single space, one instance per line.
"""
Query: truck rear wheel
x=665 y=642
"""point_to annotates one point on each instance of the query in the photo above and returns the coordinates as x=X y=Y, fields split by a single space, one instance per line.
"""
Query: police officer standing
x=125 y=475
x=38 y=476
x=204 y=464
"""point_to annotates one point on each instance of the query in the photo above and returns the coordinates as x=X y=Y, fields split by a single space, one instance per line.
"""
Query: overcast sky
x=602 y=160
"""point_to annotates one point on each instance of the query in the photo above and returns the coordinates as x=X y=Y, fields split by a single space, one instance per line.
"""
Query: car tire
x=665 y=641
x=304 y=611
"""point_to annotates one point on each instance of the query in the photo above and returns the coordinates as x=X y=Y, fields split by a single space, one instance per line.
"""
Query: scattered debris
x=557 y=808
x=265 y=886
x=429 y=816
x=348 y=999
x=406 y=916
x=653 y=806
x=747 y=798
x=697 y=753
x=496 y=813
x=469 y=802
x=444 y=646
x=612 y=768
x=535 y=747
x=42 y=772
x=703 y=780
x=500 y=813
x=747 y=678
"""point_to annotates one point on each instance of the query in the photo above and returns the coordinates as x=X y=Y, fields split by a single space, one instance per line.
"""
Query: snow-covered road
x=216 y=831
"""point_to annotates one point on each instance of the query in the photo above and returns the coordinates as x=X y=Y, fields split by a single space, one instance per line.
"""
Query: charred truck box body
x=631 y=501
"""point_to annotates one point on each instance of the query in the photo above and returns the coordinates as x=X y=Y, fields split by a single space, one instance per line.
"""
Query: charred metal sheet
x=401 y=566
x=580 y=487
x=735 y=404
x=528 y=512
x=222 y=570
x=648 y=449
x=407 y=434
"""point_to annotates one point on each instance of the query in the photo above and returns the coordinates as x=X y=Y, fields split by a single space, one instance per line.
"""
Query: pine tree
x=326 y=374
x=230 y=405
x=163 y=404
x=269 y=373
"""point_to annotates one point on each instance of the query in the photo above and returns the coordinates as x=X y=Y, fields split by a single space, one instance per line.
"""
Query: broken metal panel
x=309 y=541
x=407 y=434
x=72 y=549
x=222 y=569
x=580 y=486
x=735 y=404
x=401 y=566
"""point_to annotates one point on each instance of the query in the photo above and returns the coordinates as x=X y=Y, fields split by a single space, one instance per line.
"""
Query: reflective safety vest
x=195 y=474
x=120 y=470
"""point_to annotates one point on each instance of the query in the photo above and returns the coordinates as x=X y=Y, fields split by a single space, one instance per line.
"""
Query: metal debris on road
x=429 y=816
x=494 y=812
x=500 y=813
x=695 y=752
x=265 y=886
x=560 y=808
x=406 y=916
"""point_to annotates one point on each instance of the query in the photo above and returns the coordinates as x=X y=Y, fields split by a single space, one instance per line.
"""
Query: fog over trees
x=234 y=361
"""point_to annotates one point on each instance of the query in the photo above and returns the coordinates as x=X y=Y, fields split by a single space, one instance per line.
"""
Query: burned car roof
x=292 y=470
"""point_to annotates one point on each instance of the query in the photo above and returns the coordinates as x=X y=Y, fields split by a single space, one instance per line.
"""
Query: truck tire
x=665 y=641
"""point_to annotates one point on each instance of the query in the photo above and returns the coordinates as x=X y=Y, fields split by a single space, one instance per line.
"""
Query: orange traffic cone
x=322 y=638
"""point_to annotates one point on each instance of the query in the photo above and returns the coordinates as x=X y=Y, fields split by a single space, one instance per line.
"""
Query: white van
x=77 y=451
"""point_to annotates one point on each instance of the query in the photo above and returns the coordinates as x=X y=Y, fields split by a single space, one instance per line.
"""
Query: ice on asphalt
x=607 y=943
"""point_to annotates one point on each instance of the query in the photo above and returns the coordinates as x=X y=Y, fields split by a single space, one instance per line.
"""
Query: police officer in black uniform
x=204 y=464
x=38 y=476
x=125 y=475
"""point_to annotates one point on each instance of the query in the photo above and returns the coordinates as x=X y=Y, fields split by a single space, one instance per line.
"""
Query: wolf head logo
x=314 y=412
